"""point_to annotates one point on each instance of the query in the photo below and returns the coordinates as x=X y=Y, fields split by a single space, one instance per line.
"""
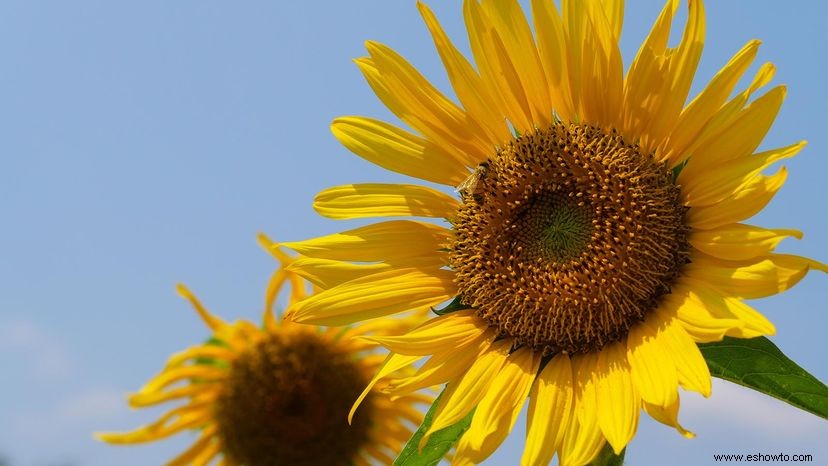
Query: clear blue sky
x=145 y=143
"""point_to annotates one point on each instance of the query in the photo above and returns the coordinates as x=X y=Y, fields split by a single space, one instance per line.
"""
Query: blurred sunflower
x=277 y=395
x=597 y=234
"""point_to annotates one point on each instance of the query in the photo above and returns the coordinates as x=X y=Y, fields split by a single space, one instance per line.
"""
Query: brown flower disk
x=568 y=238
x=287 y=404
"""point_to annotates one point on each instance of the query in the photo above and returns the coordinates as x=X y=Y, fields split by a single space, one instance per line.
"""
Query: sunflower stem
x=607 y=457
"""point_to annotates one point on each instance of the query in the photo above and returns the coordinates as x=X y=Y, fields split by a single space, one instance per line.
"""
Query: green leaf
x=678 y=168
x=758 y=364
x=456 y=304
x=607 y=457
x=438 y=443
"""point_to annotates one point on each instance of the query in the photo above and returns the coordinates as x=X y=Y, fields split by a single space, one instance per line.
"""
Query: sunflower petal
x=496 y=69
x=738 y=241
x=377 y=242
x=737 y=139
x=698 y=321
x=551 y=398
x=680 y=72
x=764 y=276
x=393 y=363
x=417 y=102
x=467 y=84
x=719 y=306
x=452 y=329
x=691 y=368
x=205 y=439
x=553 y=54
x=510 y=27
x=668 y=415
x=383 y=200
x=581 y=444
x=583 y=439
x=698 y=112
x=443 y=366
x=499 y=408
x=745 y=203
x=618 y=402
x=376 y=295
x=730 y=177
x=463 y=395
x=327 y=273
x=398 y=150
x=653 y=372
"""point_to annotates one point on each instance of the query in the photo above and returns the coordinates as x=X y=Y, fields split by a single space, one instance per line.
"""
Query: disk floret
x=287 y=403
x=570 y=237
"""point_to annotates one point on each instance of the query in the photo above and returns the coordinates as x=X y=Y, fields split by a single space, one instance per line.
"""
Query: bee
x=469 y=186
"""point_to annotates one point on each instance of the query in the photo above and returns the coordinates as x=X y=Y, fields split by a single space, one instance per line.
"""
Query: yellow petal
x=213 y=323
x=698 y=321
x=758 y=278
x=172 y=375
x=172 y=422
x=617 y=399
x=384 y=200
x=647 y=76
x=738 y=241
x=668 y=415
x=201 y=352
x=141 y=400
x=201 y=445
x=393 y=363
x=739 y=138
x=450 y=330
x=463 y=395
x=751 y=199
x=595 y=68
x=208 y=453
x=680 y=73
x=653 y=372
x=398 y=150
x=510 y=27
x=733 y=109
x=443 y=366
x=377 y=242
x=550 y=411
x=615 y=15
x=375 y=295
x=499 y=408
x=467 y=84
x=327 y=273
x=752 y=323
x=731 y=177
x=698 y=112
x=496 y=68
x=553 y=54
x=583 y=439
x=414 y=100
x=691 y=368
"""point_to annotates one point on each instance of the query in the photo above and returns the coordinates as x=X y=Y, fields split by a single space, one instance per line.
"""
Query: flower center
x=287 y=403
x=570 y=237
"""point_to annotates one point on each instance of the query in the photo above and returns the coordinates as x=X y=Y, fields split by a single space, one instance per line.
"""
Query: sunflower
x=277 y=395
x=596 y=235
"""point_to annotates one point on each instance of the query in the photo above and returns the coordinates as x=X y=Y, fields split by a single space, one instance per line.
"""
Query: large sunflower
x=596 y=235
x=277 y=395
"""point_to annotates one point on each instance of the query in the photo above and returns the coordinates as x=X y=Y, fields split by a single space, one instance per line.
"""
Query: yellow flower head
x=595 y=236
x=278 y=395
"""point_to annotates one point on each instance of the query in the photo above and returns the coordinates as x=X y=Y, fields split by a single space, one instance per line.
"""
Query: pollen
x=571 y=237
x=287 y=404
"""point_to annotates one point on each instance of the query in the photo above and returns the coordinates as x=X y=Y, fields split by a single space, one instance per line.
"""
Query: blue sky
x=145 y=144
